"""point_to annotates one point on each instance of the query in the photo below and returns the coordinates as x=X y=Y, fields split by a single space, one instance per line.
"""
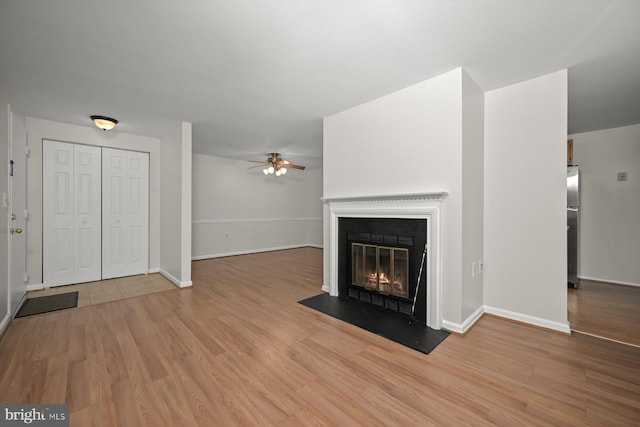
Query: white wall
x=609 y=229
x=239 y=210
x=525 y=199
x=472 y=295
x=38 y=130
x=411 y=141
x=313 y=181
x=4 y=212
x=175 y=204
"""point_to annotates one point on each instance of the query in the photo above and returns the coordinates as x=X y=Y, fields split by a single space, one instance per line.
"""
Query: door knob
x=16 y=231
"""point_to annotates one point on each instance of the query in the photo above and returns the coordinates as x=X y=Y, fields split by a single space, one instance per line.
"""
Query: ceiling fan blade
x=292 y=166
x=257 y=166
x=258 y=161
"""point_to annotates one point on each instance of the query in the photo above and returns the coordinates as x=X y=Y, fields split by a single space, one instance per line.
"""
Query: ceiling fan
x=274 y=165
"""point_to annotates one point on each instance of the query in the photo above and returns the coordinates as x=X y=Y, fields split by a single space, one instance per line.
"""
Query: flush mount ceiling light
x=104 y=122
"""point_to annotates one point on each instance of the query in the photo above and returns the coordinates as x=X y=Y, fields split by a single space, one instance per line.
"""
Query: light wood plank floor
x=237 y=349
x=606 y=310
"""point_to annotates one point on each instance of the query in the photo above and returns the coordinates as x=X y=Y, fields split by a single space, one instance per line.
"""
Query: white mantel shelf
x=436 y=196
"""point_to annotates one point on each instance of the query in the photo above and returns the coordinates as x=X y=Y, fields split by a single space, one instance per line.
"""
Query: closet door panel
x=138 y=174
x=57 y=210
x=88 y=213
x=125 y=218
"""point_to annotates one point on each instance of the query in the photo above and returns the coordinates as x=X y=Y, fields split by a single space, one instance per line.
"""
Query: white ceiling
x=255 y=77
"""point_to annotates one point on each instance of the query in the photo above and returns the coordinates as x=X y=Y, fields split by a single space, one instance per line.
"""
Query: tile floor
x=112 y=289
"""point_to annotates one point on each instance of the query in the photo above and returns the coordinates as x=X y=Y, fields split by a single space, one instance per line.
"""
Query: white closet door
x=87 y=214
x=71 y=213
x=125 y=213
x=57 y=211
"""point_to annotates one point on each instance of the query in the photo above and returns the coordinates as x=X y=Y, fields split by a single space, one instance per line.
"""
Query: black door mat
x=379 y=321
x=49 y=303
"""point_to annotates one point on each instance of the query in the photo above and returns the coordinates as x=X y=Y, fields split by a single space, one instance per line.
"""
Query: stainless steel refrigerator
x=573 y=215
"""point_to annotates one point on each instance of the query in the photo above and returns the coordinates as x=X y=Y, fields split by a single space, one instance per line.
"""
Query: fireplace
x=379 y=224
x=380 y=263
x=380 y=269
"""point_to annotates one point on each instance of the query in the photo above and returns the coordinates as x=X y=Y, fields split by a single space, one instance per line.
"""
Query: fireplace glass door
x=381 y=269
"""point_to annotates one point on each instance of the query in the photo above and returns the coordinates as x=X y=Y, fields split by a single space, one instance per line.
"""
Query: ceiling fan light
x=283 y=170
x=266 y=171
x=104 y=122
x=278 y=172
x=271 y=169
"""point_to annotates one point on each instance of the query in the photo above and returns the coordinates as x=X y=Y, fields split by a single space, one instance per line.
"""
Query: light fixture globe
x=104 y=122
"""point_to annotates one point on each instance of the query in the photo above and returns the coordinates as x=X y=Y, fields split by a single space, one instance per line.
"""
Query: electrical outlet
x=480 y=267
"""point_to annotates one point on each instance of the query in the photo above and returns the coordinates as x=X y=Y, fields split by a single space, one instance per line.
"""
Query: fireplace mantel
x=412 y=205
x=437 y=196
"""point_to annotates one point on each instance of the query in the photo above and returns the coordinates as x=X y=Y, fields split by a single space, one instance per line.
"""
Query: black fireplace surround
x=405 y=234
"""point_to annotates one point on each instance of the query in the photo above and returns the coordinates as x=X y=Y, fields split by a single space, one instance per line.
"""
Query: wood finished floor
x=237 y=349
x=606 y=310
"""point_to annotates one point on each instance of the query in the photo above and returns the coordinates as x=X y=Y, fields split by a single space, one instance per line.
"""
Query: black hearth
x=379 y=263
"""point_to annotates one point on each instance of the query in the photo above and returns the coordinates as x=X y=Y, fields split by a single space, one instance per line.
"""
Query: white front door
x=71 y=212
x=17 y=212
x=125 y=213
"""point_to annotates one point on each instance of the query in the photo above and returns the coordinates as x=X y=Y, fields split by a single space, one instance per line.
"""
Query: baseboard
x=462 y=328
x=251 y=251
x=325 y=288
x=531 y=320
x=4 y=324
x=35 y=287
x=15 y=310
x=174 y=280
x=615 y=282
x=154 y=270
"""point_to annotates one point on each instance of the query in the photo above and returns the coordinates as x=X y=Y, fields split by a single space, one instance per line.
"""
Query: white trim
x=412 y=206
x=250 y=220
x=4 y=324
x=154 y=270
x=35 y=287
x=532 y=320
x=463 y=327
x=17 y=308
x=175 y=281
x=437 y=196
x=250 y=251
x=615 y=282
